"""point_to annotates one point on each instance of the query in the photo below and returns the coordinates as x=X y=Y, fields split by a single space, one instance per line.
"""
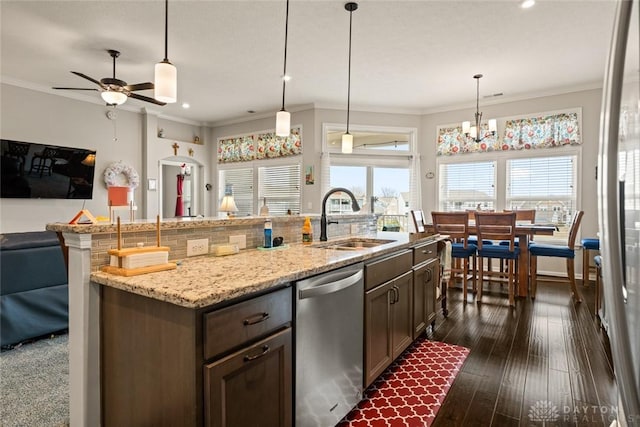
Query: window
x=546 y=184
x=280 y=185
x=465 y=186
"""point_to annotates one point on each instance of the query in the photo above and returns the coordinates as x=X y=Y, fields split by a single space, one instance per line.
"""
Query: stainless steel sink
x=352 y=244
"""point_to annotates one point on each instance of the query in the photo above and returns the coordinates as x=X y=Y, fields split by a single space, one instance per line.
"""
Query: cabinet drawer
x=238 y=324
x=385 y=269
x=425 y=252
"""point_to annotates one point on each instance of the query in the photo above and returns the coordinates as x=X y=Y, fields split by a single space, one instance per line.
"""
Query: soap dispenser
x=267 y=233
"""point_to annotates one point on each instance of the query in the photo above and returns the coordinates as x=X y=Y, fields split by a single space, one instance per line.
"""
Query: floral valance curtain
x=259 y=146
x=547 y=131
x=454 y=141
x=542 y=132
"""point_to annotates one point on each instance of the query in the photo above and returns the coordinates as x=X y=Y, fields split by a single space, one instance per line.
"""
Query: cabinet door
x=377 y=330
x=425 y=280
x=420 y=305
x=402 y=314
x=431 y=282
x=251 y=387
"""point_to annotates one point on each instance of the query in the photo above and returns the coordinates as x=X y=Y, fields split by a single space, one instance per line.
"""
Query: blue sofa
x=34 y=299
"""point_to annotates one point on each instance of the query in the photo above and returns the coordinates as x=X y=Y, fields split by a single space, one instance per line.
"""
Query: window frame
x=501 y=159
x=255 y=165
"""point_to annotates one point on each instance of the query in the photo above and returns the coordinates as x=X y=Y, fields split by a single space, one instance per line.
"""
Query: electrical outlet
x=197 y=247
x=240 y=240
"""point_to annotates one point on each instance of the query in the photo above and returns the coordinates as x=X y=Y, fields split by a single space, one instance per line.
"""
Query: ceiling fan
x=115 y=91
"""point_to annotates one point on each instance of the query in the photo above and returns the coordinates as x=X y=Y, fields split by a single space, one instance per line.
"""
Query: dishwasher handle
x=331 y=287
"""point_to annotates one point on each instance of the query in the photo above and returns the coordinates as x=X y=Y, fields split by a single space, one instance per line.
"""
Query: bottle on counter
x=267 y=233
x=307 y=232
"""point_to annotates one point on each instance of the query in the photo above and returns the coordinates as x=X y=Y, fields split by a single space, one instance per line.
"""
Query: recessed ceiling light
x=185 y=105
x=526 y=4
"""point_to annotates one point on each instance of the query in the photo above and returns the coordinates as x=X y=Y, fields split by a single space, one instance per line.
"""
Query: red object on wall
x=180 y=180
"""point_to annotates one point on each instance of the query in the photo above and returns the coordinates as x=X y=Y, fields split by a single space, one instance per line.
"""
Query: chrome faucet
x=323 y=217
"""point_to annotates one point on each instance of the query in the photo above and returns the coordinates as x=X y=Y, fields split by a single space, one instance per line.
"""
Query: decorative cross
x=191 y=152
x=175 y=147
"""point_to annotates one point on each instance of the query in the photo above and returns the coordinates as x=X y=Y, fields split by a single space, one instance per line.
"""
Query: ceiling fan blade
x=73 y=88
x=139 y=86
x=146 y=98
x=84 y=76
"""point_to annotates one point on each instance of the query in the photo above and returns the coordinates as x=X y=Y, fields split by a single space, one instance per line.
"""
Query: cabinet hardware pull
x=256 y=319
x=429 y=275
x=265 y=350
x=396 y=291
x=390 y=301
x=426 y=252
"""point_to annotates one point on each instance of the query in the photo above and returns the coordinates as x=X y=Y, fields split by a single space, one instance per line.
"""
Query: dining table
x=524 y=232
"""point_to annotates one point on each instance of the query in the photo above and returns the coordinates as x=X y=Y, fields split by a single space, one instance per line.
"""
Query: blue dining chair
x=497 y=226
x=588 y=244
x=557 y=251
x=456 y=226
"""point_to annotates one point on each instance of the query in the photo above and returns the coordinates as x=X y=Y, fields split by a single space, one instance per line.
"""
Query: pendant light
x=347 y=138
x=283 y=117
x=474 y=131
x=166 y=74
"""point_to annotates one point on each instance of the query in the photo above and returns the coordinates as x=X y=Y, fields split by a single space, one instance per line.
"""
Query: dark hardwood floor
x=547 y=360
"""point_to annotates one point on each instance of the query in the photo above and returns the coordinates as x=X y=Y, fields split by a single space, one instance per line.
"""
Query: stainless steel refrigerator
x=619 y=206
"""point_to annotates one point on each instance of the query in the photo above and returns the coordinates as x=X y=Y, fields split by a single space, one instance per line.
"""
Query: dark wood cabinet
x=388 y=324
x=425 y=280
x=251 y=387
x=166 y=365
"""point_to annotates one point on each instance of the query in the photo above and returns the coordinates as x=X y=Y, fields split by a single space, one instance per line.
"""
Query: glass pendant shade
x=473 y=132
x=283 y=123
x=113 y=97
x=166 y=82
x=466 y=126
x=347 y=143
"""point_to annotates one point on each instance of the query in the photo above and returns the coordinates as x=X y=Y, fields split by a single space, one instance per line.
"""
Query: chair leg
x=585 y=267
x=533 y=266
x=571 y=271
x=474 y=268
x=512 y=300
x=465 y=273
x=480 y=278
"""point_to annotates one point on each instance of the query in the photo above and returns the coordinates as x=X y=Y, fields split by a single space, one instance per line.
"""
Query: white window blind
x=467 y=186
x=546 y=184
x=241 y=181
x=280 y=185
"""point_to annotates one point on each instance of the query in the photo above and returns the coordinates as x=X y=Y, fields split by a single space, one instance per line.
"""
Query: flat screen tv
x=43 y=171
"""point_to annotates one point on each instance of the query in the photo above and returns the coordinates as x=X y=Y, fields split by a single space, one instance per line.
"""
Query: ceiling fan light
x=283 y=123
x=166 y=82
x=347 y=143
x=113 y=98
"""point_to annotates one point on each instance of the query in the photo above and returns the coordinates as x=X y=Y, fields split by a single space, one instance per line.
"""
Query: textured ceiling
x=408 y=56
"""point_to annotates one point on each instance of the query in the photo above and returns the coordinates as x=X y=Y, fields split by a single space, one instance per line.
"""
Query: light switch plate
x=240 y=240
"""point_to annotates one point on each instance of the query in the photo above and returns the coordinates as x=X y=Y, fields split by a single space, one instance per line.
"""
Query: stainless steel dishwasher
x=329 y=346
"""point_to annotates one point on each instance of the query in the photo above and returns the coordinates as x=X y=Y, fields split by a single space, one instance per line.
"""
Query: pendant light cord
x=166 y=30
x=286 y=36
x=349 y=73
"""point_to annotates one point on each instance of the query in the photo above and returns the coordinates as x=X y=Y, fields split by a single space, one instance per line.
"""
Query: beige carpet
x=34 y=384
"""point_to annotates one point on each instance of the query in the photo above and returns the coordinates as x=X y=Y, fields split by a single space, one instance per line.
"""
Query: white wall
x=32 y=116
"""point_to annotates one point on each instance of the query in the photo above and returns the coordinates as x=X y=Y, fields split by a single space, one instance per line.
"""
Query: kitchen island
x=199 y=285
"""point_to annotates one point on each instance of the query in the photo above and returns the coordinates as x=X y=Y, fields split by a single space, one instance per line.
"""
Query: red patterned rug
x=411 y=390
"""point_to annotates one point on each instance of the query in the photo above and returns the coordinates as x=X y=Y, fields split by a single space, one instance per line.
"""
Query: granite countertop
x=207 y=280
